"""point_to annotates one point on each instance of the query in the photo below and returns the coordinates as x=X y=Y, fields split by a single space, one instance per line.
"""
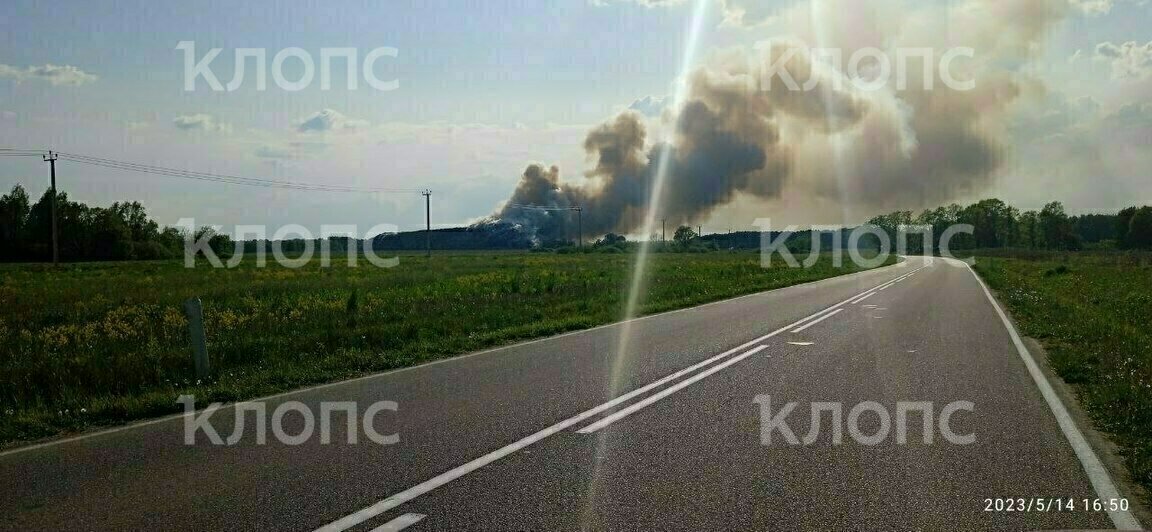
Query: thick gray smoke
x=742 y=133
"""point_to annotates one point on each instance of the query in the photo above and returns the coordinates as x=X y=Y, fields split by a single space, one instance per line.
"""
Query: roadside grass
x=105 y=343
x=1093 y=314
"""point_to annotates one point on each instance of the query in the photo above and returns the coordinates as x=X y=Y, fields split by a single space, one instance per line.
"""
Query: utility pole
x=579 y=227
x=51 y=159
x=428 y=218
x=663 y=233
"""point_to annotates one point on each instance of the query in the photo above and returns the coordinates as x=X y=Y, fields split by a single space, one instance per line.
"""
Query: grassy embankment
x=96 y=344
x=1093 y=315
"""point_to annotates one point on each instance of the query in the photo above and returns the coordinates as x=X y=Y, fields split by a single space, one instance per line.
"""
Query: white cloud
x=645 y=3
x=53 y=74
x=1097 y=8
x=1093 y=7
x=737 y=13
x=650 y=105
x=1129 y=60
x=328 y=120
x=201 y=122
x=747 y=13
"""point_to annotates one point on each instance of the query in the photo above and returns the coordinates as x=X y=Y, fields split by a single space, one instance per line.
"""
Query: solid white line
x=175 y=417
x=636 y=407
x=1097 y=474
x=459 y=471
x=400 y=523
x=811 y=323
x=859 y=299
x=896 y=280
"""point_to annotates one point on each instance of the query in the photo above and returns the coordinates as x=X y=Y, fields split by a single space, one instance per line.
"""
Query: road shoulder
x=1139 y=499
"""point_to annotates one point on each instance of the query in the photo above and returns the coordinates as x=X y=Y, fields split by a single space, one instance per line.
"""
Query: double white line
x=459 y=471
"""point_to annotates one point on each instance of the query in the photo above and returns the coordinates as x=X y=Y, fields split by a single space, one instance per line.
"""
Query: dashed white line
x=866 y=296
x=409 y=494
x=400 y=523
x=814 y=322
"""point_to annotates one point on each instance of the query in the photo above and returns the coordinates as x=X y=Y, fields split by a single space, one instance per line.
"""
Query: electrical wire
x=541 y=207
x=196 y=175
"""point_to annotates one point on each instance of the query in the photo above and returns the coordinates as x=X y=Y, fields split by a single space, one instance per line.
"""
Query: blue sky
x=485 y=89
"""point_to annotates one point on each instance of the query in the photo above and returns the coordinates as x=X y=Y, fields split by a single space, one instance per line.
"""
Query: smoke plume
x=740 y=132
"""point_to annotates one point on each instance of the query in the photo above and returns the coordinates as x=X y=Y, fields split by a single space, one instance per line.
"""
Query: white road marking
x=898 y=279
x=1097 y=474
x=814 y=322
x=667 y=391
x=800 y=343
x=459 y=471
x=859 y=299
x=400 y=523
x=409 y=494
x=824 y=314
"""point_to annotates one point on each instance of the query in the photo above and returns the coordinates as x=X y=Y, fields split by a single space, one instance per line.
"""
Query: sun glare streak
x=639 y=267
x=835 y=141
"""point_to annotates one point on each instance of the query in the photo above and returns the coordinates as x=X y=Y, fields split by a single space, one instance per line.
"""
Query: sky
x=487 y=88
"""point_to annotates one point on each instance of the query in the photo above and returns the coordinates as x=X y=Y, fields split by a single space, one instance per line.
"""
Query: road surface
x=566 y=434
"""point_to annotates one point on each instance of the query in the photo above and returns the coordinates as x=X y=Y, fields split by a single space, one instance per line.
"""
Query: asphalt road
x=566 y=433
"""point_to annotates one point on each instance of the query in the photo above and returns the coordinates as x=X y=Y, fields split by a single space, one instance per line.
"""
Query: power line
x=196 y=175
x=220 y=178
x=541 y=207
x=14 y=152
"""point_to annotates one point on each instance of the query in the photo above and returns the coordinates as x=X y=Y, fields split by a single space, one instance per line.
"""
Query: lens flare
x=639 y=266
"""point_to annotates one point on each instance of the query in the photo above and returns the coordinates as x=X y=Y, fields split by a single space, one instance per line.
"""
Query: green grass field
x=104 y=343
x=1093 y=314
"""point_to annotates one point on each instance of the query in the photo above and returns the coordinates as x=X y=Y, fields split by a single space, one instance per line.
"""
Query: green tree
x=684 y=236
x=1123 y=225
x=14 y=212
x=993 y=222
x=1140 y=229
x=1057 y=228
x=1029 y=229
x=610 y=239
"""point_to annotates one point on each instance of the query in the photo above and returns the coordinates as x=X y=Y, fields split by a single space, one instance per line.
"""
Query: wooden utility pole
x=663 y=233
x=428 y=218
x=51 y=159
x=579 y=227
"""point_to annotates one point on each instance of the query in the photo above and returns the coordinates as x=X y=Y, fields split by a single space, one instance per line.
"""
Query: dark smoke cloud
x=740 y=132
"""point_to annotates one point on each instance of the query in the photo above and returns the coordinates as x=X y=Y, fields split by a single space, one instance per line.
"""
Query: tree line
x=123 y=231
x=996 y=224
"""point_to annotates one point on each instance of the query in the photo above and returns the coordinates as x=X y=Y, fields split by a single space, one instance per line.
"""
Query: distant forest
x=124 y=231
